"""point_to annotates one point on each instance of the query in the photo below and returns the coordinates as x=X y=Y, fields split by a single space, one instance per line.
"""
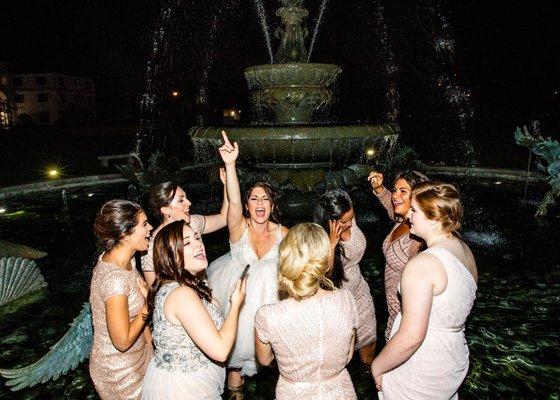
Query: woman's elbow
x=265 y=359
x=413 y=340
x=121 y=345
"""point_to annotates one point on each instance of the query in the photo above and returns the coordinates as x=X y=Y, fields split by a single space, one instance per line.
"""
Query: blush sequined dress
x=397 y=253
x=311 y=341
x=116 y=375
x=354 y=248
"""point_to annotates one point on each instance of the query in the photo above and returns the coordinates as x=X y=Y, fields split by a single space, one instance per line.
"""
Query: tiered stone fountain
x=296 y=151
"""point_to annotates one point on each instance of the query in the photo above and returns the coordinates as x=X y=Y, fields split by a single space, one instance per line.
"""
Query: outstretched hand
x=228 y=151
x=335 y=230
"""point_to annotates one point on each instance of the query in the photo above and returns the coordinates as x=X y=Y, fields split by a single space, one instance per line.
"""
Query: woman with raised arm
x=399 y=246
x=169 y=203
x=191 y=336
x=427 y=356
x=335 y=213
x=254 y=235
x=120 y=353
x=311 y=332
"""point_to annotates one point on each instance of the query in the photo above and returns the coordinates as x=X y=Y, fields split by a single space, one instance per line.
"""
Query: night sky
x=507 y=55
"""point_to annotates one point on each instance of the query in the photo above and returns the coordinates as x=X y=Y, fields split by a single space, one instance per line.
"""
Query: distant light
x=53 y=173
x=370 y=152
x=238 y=111
x=232 y=113
x=2 y=210
x=498 y=182
x=90 y=194
x=175 y=93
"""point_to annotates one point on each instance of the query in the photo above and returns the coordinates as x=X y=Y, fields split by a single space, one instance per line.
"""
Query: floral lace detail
x=175 y=351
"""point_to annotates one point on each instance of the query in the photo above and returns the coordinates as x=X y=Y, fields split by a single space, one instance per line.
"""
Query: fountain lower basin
x=296 y=147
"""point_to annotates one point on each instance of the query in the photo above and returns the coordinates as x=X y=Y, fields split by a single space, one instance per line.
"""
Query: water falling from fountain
x=390 y=67
x=264 y=25
x=316 y=30
x=443 y=45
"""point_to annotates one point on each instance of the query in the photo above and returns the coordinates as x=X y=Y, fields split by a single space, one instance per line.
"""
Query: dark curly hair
x=169 y=264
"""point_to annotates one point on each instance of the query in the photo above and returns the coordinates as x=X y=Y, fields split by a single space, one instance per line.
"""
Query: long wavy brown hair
x=169 y=264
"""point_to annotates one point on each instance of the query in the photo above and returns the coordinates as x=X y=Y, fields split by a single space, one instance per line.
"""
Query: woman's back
x=422 y=376
x=311 y=340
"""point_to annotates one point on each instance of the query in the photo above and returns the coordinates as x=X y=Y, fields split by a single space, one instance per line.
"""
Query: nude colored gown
x=438 y=367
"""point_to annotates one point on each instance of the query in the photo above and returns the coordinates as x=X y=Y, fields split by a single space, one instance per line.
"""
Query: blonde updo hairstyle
x=440 y=202
x=304 y=261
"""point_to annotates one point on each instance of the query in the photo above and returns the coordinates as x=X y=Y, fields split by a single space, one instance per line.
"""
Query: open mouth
x=260 y=212
x=201 y=255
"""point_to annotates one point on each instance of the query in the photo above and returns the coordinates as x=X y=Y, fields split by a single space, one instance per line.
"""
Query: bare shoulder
x=183 y=294
x=422 y=266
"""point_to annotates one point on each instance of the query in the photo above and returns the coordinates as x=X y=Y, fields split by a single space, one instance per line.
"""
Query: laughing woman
x=254 y=235
x=120 y=354
x=399 y=246
x=169 y=203
x=191 y=335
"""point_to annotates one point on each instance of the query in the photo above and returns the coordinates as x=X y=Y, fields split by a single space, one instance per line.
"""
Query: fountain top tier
x=292 y=90
x=293 y=150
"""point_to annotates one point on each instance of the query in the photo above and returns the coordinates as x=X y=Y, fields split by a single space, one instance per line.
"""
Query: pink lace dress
x=397 y=253
x=311 y=341
x=437 y=368
x=354 y=248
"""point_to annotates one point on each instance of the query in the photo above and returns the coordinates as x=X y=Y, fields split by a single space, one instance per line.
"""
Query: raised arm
x=381 y=192
x=187 y=307
x=218 y=221
x=235 y=221
x=417 y=288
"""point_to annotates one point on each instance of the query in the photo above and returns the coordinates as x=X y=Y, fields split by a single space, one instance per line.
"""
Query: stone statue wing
x=8 y=249
x=66 y=354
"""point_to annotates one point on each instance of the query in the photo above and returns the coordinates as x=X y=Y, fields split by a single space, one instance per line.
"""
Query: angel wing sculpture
x=65 y=355
x=549 y=152
x=9 y=249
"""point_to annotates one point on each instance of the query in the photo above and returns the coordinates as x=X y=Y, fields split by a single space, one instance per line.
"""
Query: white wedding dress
x=262 y=288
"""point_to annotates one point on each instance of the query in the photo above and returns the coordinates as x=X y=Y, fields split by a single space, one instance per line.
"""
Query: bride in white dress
x=254 y=235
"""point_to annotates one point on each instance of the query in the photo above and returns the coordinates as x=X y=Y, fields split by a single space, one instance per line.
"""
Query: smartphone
x=244 y=274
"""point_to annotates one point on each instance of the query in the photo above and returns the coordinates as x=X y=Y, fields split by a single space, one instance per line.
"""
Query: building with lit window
x=46 y=98
x=5 y=98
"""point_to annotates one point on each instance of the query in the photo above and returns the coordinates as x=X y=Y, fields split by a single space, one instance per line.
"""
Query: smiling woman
x=120 y=353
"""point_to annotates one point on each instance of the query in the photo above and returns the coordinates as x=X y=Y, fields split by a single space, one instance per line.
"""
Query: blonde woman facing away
x=311 y=332
x=427 y=356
